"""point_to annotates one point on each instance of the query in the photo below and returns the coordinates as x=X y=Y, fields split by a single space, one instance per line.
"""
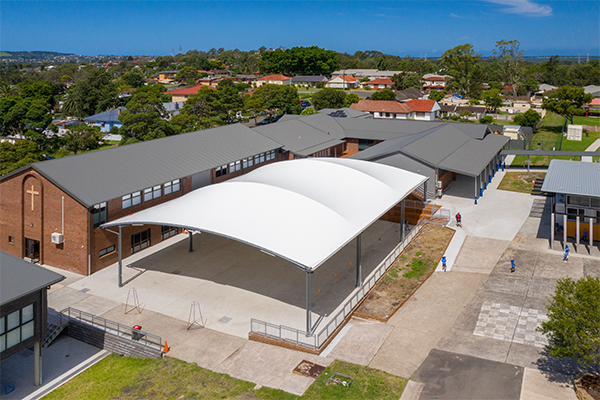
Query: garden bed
x=407 y=273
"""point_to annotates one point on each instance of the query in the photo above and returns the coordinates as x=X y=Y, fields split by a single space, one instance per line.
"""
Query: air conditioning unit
x=439 y=184
x=57 y=238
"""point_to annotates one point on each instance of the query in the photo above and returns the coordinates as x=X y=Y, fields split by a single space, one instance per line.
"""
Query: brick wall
x=18 y=220
x=98 y=338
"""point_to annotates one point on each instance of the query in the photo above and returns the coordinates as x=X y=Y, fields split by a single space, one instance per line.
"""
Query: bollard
x=480 y=192
x=475 y=200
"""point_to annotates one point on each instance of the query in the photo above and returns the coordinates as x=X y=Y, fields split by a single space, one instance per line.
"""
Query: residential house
x=378 y=84
x=274 y=80
x=343 y=82
x=311 y=80
x=409 y=94
x=209 y=81
x=423 y=110
x=167 y=76
x=434 y=82
x=359 y=74
x=106 y=120
x=456 y=109
x=184 y=94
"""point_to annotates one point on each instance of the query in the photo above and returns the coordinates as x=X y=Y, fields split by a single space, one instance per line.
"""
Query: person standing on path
x=512 y=266
x=458 y=220
x=444 y=263
x=566 y=256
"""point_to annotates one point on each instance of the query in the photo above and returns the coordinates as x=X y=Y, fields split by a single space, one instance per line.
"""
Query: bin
x=135 y=333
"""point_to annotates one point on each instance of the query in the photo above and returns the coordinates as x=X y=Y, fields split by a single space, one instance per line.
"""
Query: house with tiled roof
x=423 y=110
x=434 y=82
x=185 y=93
x=274 y=80
x=378 y=84
x=310 y=80
x=343 y=82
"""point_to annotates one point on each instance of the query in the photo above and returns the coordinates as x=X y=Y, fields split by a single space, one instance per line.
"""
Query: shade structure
x=303 y=211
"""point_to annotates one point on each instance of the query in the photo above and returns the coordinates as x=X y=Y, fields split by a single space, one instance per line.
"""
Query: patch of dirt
x=411 y=269
x=591 y=383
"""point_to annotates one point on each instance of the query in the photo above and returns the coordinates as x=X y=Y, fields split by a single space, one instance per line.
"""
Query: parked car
x=304 y=103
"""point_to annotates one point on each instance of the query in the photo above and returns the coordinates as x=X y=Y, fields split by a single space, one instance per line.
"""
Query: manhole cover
x=308 y=368
x=225 y=319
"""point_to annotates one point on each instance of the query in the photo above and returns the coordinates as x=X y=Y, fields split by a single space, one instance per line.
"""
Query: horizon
x=419 y=29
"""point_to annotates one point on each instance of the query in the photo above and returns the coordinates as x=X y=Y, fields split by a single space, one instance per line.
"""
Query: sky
x=402 y=27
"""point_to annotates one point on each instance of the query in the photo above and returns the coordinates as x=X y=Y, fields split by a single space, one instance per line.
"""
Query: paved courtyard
x=469 y=333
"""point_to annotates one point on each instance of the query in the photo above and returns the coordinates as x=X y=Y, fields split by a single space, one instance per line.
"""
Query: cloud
x=524 y=7
x=455 y=16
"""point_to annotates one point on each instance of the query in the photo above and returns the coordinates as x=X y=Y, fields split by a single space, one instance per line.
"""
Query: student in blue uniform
x=512 y=266
x=444 y=263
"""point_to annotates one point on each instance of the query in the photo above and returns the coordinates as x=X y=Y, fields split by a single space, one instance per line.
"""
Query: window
x=140 y=241
x=126 y=201
x=168 y=231
x=100 y=214
x=173 y=186
x=271 y=155
x=16 y=327
x=220 y=171
x=105 y=251
x=11 y=239
x=136 y=198
x=152 y=193
x=259 y=158
x=238 y=165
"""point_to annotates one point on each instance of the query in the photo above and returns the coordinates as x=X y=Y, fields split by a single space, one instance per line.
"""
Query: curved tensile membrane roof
x=303 y=211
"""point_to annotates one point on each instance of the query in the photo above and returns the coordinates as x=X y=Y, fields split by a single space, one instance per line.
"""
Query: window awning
x=303 y=211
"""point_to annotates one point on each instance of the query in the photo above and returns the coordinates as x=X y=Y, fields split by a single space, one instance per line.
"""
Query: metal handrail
x=56 y=321
x=114 y=328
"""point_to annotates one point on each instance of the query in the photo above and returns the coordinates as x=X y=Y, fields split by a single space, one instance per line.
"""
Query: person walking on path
x=458 y=220
x=512 y=266
x=566 y=256
x=444 y=263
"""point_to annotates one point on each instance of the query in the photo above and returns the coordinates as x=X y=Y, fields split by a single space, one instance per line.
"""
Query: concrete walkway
x=593 y=147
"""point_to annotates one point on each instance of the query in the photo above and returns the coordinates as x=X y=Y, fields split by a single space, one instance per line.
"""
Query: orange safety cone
x=335 y=275
x=166 y=348
x=319 y=291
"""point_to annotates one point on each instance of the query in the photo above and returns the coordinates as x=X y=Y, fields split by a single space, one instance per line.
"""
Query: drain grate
x=225 y=319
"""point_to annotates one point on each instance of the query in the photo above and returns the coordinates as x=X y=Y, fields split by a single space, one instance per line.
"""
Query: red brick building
x=51 y=211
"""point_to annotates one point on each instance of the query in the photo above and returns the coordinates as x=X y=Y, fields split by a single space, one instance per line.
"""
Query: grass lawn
x=169 y=378
x=522 y=183
x=548 y=137
x=590 y=121
x=65 y=153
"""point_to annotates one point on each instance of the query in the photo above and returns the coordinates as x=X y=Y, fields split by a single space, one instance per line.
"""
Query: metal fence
x=279 y=332
x=111 y=327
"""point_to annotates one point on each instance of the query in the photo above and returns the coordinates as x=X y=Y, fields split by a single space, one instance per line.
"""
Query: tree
x=144 y=119
x=299 y=60
x=279 y=99
x=206 y=105
x=573 y=326
x=19 y=154
x=351 y=98
x=492 y=99
x=509 y=60
x=385 y=94
x=187 y=75
x=329 y=98
x=435 y=95
x=94 y=94
x=463 y=65
x=528 y=118
x=567 y=101
x=82 y=137
x=133 y=79
x=488 y=119
x=473 y=102
x=308 y=111
x=231 y=101
x=405 y=80
x=255 y=106
x=465 y=115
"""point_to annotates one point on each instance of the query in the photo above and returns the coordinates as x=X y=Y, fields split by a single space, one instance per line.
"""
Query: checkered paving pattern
x=511 y=324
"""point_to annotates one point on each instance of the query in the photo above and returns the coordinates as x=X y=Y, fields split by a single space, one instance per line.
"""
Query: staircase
x=56 y=324
x=537 y=187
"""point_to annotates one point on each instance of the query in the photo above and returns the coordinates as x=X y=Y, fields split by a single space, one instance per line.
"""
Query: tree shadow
x=559 y=370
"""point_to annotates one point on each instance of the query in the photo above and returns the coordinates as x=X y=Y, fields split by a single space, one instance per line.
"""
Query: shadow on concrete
x=463 y=186
x=560 y=370
x=231 y=263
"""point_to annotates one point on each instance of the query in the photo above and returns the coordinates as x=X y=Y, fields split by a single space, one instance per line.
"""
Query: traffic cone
x=319 y=291
x=335 y=275
x=166 y=348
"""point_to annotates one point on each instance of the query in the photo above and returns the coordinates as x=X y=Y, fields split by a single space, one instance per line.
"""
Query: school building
x=51 y=211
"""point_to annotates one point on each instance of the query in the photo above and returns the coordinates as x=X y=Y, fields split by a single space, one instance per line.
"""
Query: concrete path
x=593 y=147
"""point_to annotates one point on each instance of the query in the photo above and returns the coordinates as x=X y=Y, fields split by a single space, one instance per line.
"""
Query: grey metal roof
x=476 y=131
x=381 y=129
x=573 y=177
x=106 y=116
x=19 y=278
x=310 y=78
x=443 y=146
x=550 y=153
x=299 y=137
x=94 y=177
x=345 y=112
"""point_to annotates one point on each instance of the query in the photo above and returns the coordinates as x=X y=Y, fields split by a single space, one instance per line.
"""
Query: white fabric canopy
x=303 y=211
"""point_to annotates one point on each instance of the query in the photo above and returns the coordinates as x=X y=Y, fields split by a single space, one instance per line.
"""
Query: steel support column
x=591 y=234
x=552 y=231
x=358 y=262
x=120 y=259
x=402 y=221
x=308 y=322
x=564 y=231
x=425 y=192
x=476 y=189
x=37 y=364
x=577 y=234
x=191 y=239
